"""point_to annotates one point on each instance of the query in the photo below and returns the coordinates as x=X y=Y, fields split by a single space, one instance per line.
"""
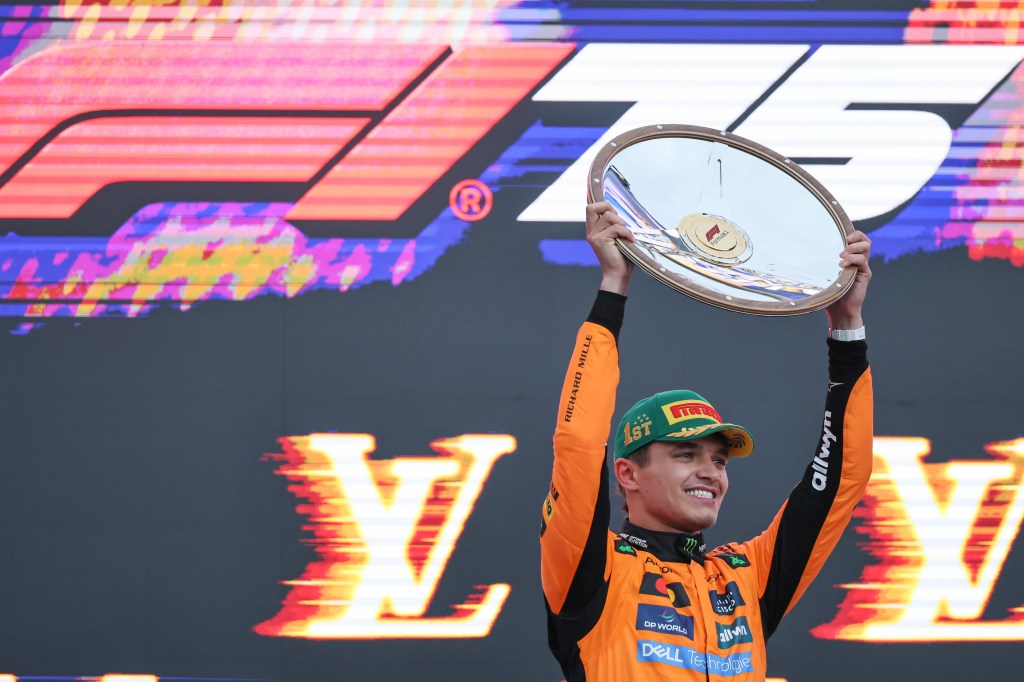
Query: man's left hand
x=846 y=312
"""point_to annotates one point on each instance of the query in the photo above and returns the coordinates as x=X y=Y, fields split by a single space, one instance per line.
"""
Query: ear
x=625 y=474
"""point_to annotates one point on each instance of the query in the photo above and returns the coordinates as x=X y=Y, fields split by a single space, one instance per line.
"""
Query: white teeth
x=700 y=493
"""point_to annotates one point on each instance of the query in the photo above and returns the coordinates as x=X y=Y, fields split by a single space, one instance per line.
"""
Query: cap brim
x=737 y=438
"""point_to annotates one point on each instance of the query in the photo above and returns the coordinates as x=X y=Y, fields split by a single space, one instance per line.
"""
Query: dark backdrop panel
x=143 y=523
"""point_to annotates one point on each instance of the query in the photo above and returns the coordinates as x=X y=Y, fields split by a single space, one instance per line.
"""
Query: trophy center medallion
x=714 y=238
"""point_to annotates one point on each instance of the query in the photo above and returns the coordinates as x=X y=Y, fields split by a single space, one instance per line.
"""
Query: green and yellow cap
x=677 y=415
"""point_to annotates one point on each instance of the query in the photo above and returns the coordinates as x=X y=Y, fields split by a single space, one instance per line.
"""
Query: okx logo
x=384 y=531
x=941 y=533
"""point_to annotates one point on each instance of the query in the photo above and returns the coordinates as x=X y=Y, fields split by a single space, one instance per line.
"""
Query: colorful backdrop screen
x=288 y=288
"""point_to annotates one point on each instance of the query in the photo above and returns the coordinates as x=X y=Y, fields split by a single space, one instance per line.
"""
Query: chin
x=705 y=523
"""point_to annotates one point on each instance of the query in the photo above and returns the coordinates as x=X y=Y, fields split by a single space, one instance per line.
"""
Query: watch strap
x=848 y=334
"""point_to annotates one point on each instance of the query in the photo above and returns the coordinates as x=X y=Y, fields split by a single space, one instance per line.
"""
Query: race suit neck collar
x=664 y=545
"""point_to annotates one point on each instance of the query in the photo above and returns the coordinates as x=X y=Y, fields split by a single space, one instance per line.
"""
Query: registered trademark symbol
x=470 y=200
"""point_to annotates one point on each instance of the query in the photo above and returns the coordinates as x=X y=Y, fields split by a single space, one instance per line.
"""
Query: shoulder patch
x=737 y=560
x=623 y=547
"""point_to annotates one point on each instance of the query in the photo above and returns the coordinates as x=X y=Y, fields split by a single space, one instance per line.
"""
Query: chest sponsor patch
x=724 y=603
x=663 y=619
x=691 y=659
x=655 y=584
x=737 y=632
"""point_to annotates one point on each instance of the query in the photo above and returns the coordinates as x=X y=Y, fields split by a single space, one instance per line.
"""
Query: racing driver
x=652 y=603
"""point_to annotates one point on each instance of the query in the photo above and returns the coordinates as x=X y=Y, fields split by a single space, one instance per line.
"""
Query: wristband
x=848 y=334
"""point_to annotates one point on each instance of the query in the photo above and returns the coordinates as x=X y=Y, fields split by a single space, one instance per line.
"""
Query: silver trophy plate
x=724 y=219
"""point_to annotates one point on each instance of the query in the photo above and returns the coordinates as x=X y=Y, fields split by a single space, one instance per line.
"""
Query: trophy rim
x=836 y=289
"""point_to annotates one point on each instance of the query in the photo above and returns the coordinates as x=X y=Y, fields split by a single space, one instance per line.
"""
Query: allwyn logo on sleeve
x=940 y=534
x=383 y=530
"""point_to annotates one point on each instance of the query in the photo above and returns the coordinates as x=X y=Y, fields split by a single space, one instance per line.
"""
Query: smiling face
x=681 y=487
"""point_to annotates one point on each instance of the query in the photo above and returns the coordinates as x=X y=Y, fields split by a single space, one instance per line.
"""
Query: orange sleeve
x=575 y=514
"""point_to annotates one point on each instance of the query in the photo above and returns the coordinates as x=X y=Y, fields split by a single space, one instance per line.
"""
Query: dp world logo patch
x=663 y=619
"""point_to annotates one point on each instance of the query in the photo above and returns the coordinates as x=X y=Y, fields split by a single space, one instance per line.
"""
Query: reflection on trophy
x=783 y=258
x=706 y=244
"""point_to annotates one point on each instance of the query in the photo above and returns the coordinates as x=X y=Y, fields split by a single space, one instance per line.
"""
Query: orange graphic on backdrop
x=314 y=20
x=990 y=213
x=995 y=22
x=383 y=531
x=940 y=534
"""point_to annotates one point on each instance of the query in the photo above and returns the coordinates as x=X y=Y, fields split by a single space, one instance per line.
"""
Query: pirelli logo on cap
x=684 y=410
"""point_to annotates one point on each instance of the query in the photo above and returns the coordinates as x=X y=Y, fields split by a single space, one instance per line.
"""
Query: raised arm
x=791 y=552
x=575 y=514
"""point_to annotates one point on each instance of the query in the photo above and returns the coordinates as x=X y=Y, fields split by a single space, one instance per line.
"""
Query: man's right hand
x=604 y=225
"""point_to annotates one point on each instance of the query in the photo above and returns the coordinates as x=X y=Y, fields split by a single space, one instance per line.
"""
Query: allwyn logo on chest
x=737 y=632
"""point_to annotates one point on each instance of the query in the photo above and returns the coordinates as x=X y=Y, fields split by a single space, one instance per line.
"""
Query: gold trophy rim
x=828 y=295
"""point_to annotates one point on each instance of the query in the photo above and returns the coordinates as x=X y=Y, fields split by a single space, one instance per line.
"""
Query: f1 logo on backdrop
x=370 y=129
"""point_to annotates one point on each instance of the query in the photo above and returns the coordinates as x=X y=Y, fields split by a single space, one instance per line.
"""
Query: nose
x=708 y=469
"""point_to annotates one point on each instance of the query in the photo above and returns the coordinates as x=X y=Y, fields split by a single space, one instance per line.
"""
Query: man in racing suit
x=652 y=603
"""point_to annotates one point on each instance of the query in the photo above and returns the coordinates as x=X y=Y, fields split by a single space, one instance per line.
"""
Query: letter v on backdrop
x=941 y=534
x=383 y=531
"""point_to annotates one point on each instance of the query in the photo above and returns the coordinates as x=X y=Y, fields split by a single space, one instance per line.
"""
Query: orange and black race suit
x=645 y=605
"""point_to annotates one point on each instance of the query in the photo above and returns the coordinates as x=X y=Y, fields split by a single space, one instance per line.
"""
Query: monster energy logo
x=689 y=544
